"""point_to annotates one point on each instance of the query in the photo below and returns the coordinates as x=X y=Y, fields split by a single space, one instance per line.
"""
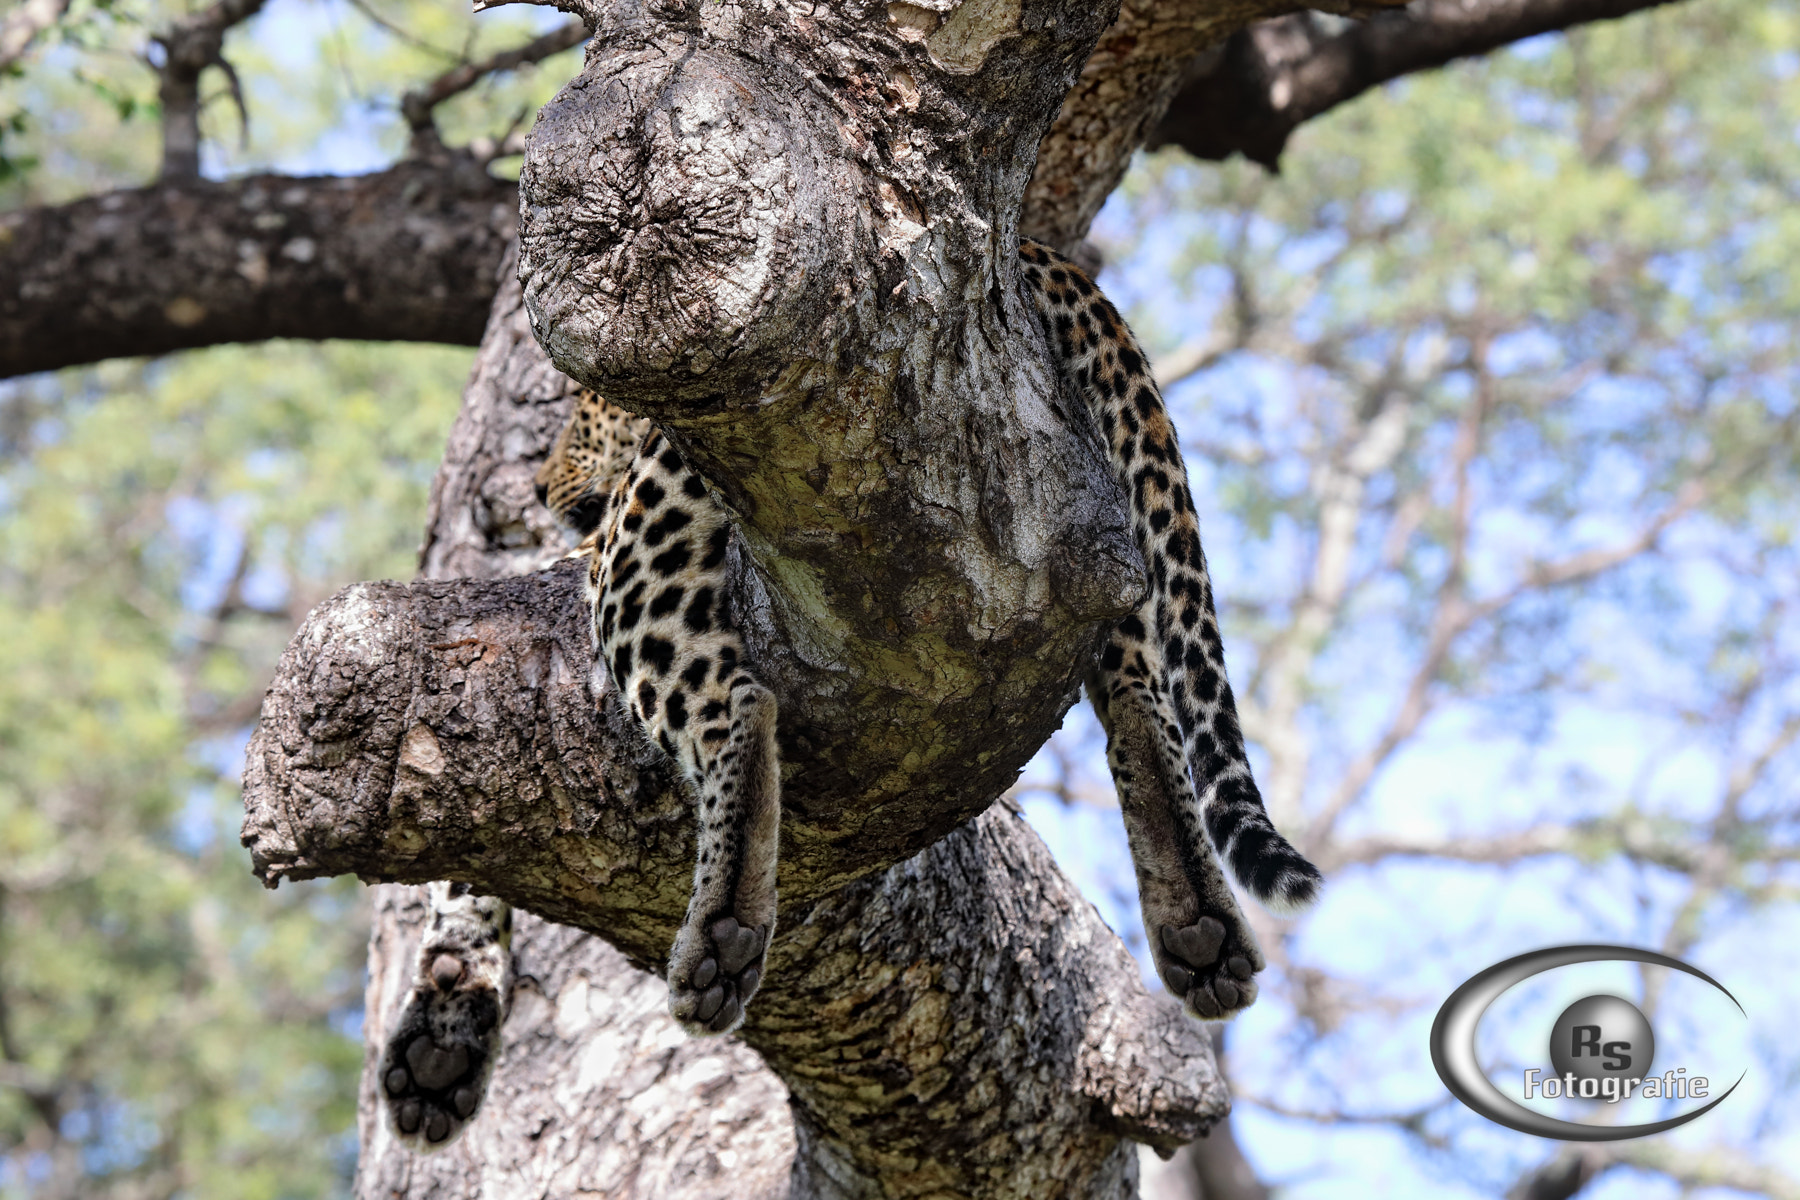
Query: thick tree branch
x=1212 y=1167
x=1273 y=77
x=447 y=730
x=789 y=240
x=410 y=254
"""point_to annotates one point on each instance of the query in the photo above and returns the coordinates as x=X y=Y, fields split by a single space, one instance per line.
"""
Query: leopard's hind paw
x=713 y=973
x=1211 y=966
x=440 y=1053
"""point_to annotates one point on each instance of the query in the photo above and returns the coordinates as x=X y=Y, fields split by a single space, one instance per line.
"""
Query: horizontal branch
x=408 y=254
x=445 y=731
x=1270 y=79
x=450 y=730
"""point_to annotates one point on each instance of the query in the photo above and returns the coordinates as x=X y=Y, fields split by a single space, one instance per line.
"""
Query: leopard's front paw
x=1211 y=965
x=436 y=1066
x=713 y=972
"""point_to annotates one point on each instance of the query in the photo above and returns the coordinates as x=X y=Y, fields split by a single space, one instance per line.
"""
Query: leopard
x=655 y=537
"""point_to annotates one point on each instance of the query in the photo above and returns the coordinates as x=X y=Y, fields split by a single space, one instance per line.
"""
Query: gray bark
x=597 y=1093
x=1210 y=1168
x=409 y=254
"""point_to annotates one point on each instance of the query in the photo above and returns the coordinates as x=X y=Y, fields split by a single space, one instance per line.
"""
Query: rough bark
x=617 y=1101
x=789 y=238
x=1271 y=78
x=1210 y=1168
x=409 y=254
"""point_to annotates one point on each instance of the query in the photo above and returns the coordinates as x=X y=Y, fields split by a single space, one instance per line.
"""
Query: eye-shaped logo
x=1601 y=1048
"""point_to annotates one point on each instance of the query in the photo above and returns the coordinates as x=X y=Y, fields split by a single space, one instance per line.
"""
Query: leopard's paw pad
x=709 y=996
x=1211 y=966
x=435 y=1068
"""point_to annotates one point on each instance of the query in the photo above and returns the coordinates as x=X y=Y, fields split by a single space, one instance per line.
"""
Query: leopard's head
x=590 y=454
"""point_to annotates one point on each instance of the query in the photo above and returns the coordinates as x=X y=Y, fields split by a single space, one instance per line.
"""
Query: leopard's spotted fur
x=1160 y=688
x=656 y=542
x=663 y=627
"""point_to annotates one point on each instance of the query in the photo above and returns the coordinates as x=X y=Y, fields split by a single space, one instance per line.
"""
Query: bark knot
x=673 y=240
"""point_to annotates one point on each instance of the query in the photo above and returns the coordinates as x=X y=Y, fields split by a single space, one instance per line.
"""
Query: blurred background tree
x=167 y=1028
x=1490 y=406
x=1493 y=393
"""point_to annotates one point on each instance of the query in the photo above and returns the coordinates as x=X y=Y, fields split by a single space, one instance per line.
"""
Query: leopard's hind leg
x=440 y=1053
x=1203 y=946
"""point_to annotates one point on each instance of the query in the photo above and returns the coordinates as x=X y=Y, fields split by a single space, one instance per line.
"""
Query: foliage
x=1497 y=414
x=322 y=85
x=166 y=1026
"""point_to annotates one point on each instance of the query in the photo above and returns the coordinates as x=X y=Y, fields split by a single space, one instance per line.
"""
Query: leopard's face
x=588 y=460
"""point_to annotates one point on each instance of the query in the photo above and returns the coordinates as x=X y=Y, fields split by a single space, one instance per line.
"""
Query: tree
x=380 y=772
x=166 y=1026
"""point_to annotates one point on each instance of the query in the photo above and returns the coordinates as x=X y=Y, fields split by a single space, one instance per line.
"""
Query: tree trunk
x=963 y=1020
x=791 y=240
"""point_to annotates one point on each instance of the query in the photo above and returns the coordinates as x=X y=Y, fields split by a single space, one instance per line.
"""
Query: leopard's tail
x=1176 y=623
x=1261 y=860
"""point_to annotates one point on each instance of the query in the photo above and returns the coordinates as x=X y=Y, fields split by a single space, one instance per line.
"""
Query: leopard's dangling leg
x=1160 y=687
x=440 y=1052
x=716 y=963
x=1202 y=944
x=656 y=543
x=662 y=619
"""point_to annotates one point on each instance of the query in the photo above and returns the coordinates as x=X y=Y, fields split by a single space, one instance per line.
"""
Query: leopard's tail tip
x=1294 y=888
x=1265 y=864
